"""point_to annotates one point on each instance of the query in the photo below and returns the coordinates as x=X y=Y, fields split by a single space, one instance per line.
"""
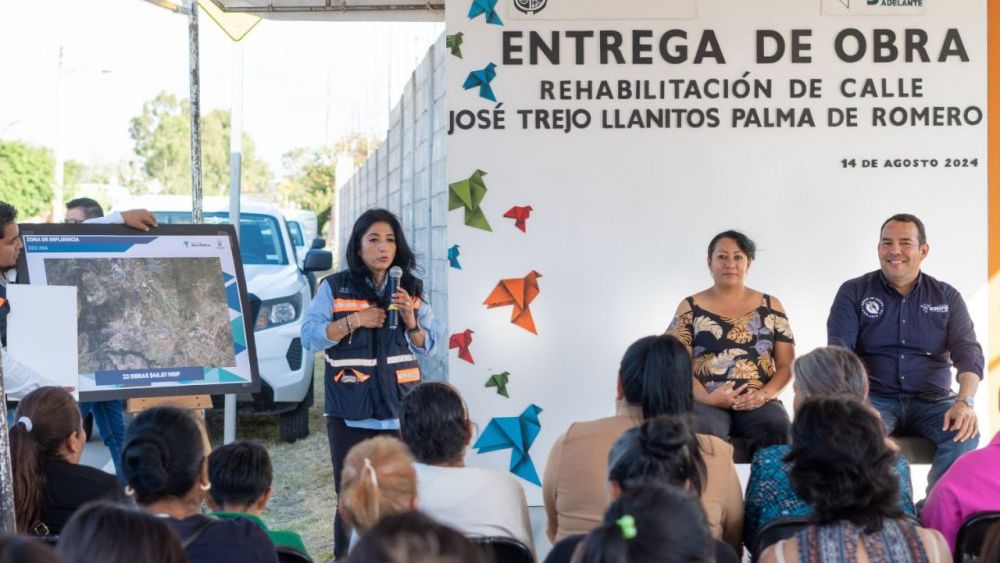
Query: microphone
x=395 y=274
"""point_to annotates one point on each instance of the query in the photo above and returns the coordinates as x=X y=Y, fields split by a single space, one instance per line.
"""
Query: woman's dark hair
x=110 y=533
x=662 y=451
x=841 y=464
x=991 y=546
x=656 y=373
x=434 y=423
x=669 y=526
x=412 y=537
x=21 y=549
x=744 y=242
x=50 y=416
x=163 y=451
x=404 y=258
x=240 y=473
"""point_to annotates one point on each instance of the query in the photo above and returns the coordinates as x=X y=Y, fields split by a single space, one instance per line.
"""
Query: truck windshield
x=260 y=235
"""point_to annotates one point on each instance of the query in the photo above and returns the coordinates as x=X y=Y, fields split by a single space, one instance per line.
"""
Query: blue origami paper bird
x=488 y=7
x=482 y=78
x=516 y=433
x=453 y=257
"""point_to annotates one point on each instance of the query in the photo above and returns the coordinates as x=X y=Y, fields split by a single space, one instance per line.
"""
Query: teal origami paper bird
x=499 y=380
x=469 y=194
x=515 y=433
x=487 y=7
x=453 y=257
x=454 y=43
x=482 y=79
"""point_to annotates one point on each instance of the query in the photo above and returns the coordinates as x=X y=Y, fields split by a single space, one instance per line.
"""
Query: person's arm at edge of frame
x=967 y=355
x=138 y=219
x=784 y=355
x=842 y=324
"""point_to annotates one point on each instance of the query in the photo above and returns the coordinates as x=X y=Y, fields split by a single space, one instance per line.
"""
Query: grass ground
x=302 y=496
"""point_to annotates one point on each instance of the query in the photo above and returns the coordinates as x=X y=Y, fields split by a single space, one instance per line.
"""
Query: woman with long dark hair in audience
x=654 y=379
x=824 y=372
x=378 y=480
x=46 y=443
x=165 y=465
x=742 y=348
x=650 y=524
x=370 y=365
x=662 y=452
x=414 y=537
x=111 y=533
x=842 y=464
x=435 y=425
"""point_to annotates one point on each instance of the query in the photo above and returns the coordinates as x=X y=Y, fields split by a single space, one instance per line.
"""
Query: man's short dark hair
x=433 y=423
x=8 y=215
x=240 y=473
x=907 y=218
x=91 y=209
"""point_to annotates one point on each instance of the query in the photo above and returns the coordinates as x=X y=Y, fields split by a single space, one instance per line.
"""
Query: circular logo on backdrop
x=872 y=307
x=530 y=6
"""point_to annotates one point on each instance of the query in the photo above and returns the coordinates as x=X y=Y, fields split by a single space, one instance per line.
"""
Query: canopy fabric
x=339 y=10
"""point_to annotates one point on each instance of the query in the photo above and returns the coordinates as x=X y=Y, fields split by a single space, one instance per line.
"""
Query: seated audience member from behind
x=434 y=424
x=650 y=524
x=910 y=330
x=111 y=533
x=662 y=452
x=166 y=468
x=378 y=480
x=22 y=549
x=971 y=485
x=240 y=474
x=46 y=443
x=654 y=379
x=824 y=372
x=842 y=464
x=414 y=537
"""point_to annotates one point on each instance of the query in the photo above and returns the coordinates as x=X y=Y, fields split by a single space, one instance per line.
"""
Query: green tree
x=26 y=175
x=310 y=180
x=162 y=136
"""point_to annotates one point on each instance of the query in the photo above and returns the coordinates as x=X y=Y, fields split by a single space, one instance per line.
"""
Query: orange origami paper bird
x=519 y=292
x=520 y=214
x=462 y=340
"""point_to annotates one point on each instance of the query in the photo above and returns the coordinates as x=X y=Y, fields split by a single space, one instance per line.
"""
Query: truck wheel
x=294 y=425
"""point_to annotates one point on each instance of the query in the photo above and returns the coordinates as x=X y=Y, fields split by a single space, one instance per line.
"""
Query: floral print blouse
x=725 y=349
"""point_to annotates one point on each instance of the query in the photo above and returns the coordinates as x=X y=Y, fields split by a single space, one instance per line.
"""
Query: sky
x=304 y=83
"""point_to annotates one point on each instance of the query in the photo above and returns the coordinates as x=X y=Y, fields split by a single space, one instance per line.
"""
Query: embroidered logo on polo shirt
x=934 y=308
x=872 y=307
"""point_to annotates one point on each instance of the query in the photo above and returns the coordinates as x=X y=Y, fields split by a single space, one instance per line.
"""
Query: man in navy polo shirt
x=911 y=329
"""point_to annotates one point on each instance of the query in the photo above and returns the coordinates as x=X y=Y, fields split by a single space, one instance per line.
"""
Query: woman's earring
x=129 y=490
x=205 y=486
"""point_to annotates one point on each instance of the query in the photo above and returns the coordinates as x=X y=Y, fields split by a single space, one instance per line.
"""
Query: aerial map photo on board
x=137 y=313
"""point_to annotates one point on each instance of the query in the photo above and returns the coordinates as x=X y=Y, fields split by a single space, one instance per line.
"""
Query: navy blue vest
x=369 y=371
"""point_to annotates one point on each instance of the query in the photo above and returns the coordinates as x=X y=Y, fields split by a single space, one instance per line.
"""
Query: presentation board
x=159 y=313
x=594 y=148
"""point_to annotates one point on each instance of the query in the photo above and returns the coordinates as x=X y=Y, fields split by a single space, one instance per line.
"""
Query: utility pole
x=195 y=84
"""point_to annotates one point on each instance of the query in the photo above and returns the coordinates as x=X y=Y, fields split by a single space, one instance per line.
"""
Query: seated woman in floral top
x=741 y=346
x=824 y=372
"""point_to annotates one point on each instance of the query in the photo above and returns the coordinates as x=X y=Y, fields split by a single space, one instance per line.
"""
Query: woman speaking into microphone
x=370 y=364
